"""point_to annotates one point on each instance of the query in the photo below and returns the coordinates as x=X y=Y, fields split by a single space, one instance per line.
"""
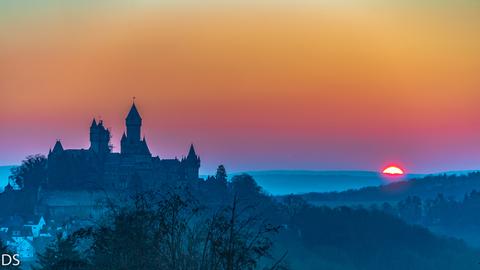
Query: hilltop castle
x=78 y=182
x=78 y=185
x=134 y=168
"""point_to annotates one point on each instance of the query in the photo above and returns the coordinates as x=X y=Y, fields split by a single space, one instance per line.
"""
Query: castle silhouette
x=134 y=168
x=78 y=182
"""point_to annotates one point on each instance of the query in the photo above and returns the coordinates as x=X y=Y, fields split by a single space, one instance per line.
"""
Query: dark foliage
x=455 y=186
x=31 y=173
x=20 y=195
x=346 y=238
x=173 y=233
x=455 y=217
x=62 y=254
x=221 y=174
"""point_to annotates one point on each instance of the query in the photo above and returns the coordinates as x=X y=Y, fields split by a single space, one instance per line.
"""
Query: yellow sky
x=306 y=66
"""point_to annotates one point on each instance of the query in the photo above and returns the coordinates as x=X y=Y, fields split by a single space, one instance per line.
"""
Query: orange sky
x=316 y=86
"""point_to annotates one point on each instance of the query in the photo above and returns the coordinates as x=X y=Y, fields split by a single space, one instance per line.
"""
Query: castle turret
x=58 y=148
x=94 y=136
x=131 y=142
x=94 y=123
x=192 y=156
x=99 y=138
x=191 y=164
x=134 y=124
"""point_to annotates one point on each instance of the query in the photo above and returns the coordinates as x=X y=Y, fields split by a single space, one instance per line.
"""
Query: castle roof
x=33 y=220
x=172 y=163
x=77 y=152
x=133 y=115
x=145 y=149
x=94 y=123
x=20 y=231
x=191 y=153
x=58 y=147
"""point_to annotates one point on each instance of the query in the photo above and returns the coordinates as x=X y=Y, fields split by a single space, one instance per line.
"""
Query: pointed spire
x=191 y=153
x=133 y=115
x=94 y=123
x=145 y=149
x=58 y=147
x=124 y=136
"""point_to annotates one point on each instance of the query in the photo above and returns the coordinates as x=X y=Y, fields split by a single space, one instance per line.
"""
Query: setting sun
x=393 y=170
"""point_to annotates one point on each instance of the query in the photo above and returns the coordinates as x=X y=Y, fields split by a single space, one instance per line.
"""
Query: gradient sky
x=270 y=85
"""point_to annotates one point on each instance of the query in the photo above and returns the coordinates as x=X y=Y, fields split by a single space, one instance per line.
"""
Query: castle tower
x=94 y=136
x=192 y=156
x=134 y=124
x=131 y=142
x=191 y=164
x=99 y=138
x=58 y=148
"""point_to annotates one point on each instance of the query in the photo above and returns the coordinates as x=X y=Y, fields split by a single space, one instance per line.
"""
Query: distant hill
x=4 y=174
x=281 y=182
x=347 y=238
x=450 y=185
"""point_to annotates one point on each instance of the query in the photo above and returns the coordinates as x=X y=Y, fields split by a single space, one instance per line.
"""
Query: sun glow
x=393 y=170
